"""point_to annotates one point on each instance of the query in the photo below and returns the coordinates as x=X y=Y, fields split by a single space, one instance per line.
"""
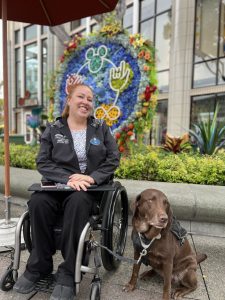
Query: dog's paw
x=176 y=294
x=128 y=287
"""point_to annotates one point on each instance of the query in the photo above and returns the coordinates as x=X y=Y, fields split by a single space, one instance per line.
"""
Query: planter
x=192 y=202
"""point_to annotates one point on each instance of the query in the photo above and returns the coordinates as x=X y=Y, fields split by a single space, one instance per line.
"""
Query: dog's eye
x=165 y=202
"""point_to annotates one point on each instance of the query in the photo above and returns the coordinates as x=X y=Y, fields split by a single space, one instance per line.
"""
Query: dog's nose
x=163 y=218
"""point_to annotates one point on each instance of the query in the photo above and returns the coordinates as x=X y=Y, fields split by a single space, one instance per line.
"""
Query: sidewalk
x=211 y=273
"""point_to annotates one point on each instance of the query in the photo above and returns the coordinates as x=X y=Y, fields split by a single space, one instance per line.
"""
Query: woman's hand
x=78 y=184
x=81 y=177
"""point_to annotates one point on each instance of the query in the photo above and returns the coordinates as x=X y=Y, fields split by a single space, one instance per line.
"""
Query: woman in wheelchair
x=76 y=150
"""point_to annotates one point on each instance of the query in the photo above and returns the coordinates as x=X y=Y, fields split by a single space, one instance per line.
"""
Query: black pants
x=43 y=209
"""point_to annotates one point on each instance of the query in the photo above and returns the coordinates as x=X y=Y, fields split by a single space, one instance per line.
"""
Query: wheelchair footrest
x=46 y=284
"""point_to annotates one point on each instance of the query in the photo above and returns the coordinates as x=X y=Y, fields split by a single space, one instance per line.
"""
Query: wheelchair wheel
x=27 y=233
x=114 y=226
x=95 y=291
x=7 y=281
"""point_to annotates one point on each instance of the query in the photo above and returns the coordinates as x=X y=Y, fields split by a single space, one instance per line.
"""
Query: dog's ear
x=170 y=216
x=134 y=204
x=138 y=198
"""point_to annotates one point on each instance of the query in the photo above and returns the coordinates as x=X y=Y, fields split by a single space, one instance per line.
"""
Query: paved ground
x=211 y=274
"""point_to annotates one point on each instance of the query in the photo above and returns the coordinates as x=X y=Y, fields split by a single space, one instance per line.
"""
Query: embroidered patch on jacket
x=97 y=122
x=61 y=139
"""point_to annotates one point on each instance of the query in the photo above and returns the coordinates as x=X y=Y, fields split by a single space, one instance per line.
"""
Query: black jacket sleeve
x=106 y=169
x=45 y=165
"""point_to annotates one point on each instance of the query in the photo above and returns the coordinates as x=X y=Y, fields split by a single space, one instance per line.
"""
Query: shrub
x=21 y=156
x=151 y=164
x=188 y=168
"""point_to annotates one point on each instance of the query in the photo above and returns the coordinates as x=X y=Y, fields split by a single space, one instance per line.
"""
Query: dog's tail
x=200 y=257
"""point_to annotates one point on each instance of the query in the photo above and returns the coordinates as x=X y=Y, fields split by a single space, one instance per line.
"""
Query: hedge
x=152 y=164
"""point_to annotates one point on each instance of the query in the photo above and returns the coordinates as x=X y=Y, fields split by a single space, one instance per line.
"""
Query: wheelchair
x=111 y=221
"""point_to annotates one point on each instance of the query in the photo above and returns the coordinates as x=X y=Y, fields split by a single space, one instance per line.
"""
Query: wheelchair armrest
x=36 y=187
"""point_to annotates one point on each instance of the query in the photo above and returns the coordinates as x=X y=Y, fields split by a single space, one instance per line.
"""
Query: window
x=17 y=37
x=163 y=5
x=209 y=49
x=30 y=32
x=44 y=29
x=128 y=18
x=28 y=130
x=77 y=23
x=31 y=70
x=94 y=27
x=18 y=74
x=147 y=9
x=74 y=24
x=162 y=40
x=204 y=106
x=44 y=70
x=159 y=128
x=155 y=24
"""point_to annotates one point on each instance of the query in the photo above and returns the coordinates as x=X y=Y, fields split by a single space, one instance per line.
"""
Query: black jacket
x=57 y=159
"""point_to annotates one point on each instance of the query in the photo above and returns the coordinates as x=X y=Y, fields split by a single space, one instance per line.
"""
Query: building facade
x=189 y=37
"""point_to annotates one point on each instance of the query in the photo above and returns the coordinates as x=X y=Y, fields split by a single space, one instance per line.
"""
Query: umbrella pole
x=7 y=222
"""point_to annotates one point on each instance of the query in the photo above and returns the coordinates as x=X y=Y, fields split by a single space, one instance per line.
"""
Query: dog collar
x=146 y=246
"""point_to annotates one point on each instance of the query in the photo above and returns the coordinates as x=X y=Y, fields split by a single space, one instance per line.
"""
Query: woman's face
x=81 y=102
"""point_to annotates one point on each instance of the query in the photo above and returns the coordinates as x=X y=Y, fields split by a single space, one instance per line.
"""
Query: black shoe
x=62 y=292
x=24 y=285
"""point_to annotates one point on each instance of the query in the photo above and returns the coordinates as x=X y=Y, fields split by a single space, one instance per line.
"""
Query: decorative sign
x=121 y=71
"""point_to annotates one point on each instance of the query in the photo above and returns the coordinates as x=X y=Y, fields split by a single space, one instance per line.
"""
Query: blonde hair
x=66 y=110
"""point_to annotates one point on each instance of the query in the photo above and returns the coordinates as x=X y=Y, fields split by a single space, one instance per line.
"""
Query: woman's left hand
x=81 y=177
x=78 y=184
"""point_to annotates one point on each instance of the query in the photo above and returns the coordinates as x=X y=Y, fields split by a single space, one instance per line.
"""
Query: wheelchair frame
x=114 y=197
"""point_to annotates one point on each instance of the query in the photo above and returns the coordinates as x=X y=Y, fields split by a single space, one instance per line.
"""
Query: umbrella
x=42 y=12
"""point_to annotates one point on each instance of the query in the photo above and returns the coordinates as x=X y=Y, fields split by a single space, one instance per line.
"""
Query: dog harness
x=142 y=244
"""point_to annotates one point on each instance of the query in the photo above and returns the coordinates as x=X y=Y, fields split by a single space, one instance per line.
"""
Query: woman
x=76 y=150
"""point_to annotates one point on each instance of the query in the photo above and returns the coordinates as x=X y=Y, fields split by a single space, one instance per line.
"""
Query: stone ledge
x=192 y=202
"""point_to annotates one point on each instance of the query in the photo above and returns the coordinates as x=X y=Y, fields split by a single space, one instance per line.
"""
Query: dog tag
x=142 y=253
x=158 y=237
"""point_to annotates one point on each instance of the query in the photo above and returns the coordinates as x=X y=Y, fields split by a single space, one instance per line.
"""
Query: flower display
x=120 y=68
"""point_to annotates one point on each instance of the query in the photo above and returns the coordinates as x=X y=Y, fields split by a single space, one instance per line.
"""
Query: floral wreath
x=120 y=68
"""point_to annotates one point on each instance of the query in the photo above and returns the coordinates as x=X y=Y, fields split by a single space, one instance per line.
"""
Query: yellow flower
x=138 y=114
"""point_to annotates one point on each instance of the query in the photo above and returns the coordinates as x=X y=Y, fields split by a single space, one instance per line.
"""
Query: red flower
x=131 y=126
x=121 y=149
x=117 y=135
x=129 y=133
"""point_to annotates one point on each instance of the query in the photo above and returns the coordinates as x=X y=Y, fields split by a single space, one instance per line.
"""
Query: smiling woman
x=79 y=151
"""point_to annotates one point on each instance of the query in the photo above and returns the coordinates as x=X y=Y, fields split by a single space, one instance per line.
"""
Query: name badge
x=95 y=141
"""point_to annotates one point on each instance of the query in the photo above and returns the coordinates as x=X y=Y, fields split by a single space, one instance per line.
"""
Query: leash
x=127 y=259
x=117 y=256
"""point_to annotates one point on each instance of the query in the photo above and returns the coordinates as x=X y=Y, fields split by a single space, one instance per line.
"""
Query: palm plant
x=208 y=135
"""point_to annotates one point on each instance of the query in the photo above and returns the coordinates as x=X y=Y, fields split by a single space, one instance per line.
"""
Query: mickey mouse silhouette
x=95 y=58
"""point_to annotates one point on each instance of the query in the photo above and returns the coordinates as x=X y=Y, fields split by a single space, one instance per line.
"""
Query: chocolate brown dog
x=156 y=245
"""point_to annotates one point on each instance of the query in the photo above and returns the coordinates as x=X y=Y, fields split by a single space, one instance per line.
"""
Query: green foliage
x=21 y=156
x=170 y=167
x=208 y=135
x=145 y=163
